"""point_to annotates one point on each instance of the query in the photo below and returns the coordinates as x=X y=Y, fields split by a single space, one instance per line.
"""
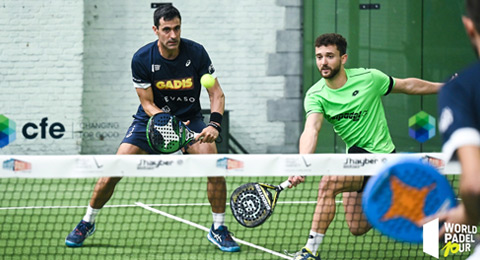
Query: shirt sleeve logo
x=156 y=67
x=446 y=119
x=211 y=69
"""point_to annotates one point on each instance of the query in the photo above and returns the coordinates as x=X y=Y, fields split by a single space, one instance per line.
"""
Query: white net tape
x=86 y=166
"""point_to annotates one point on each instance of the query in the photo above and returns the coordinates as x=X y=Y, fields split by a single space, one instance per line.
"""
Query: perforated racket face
x=250 y=206
x=397 y=199
x=163 y=133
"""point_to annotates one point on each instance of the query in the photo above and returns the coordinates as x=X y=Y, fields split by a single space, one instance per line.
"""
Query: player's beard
x=333 y=72
x=172 y=44
x=169 y=49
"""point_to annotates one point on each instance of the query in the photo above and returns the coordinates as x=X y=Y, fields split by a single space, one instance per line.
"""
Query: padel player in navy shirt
x=166 y=75
x=459 y=106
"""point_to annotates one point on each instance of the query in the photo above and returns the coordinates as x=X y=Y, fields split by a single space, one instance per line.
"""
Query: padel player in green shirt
x=350 y=99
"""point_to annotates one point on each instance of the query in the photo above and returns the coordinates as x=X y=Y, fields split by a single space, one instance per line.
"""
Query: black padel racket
x=166 y=134
x=253 y=203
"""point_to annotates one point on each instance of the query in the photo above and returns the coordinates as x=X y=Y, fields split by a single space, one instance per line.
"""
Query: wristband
x=216 y=117
x=217 y=127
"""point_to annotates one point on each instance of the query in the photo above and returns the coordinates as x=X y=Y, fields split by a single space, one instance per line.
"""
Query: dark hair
x=332 y=39
x=167 y=12
x=473 y=12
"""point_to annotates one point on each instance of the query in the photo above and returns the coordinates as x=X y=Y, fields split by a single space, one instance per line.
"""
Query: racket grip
x=284 y=184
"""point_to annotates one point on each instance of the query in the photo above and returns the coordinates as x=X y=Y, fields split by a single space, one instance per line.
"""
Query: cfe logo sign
x=458 y=238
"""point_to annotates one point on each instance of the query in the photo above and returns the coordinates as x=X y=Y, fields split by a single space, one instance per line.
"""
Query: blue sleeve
x=206 y=65
x=458 y=117
x=455 y=109
x=141 y=75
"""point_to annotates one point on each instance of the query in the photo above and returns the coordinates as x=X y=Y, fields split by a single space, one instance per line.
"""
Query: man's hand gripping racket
x=253 y=203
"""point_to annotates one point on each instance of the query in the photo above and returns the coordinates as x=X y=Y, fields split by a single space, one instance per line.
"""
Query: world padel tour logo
x=229 y=164
x=458 y=239
x=7 y=131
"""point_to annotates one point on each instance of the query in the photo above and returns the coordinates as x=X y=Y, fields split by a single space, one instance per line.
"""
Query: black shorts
x=356 y=149
x=137 y=132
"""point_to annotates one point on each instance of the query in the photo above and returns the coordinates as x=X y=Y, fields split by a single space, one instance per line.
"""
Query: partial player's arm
x=217 y=107
x=308 y=141
x=468 y=210
x=309 y=137
x=456 y=123
x=469 y=157
x=217 y=98
x=146 y=99
x=414 y=86
x=141 y=76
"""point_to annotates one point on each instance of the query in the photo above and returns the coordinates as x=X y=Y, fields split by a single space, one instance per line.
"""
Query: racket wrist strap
x=216 y=117
x=216 y=126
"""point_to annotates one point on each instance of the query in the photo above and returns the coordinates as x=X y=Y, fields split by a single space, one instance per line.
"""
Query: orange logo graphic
x=407 y=201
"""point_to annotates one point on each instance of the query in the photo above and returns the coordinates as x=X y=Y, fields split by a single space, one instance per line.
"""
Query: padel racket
x=253 y=203
x=166 y=134
x=400 y=196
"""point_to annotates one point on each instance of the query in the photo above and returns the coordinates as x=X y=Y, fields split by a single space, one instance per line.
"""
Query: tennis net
x=160 y=209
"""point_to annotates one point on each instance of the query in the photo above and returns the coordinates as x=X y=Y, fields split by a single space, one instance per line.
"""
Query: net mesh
x=168 y=218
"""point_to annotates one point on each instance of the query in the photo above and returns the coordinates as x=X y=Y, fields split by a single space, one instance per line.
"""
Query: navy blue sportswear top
x=459 y=105
x=175 y=83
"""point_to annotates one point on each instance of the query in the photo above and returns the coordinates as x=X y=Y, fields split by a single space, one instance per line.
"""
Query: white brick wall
x=70 y=61
x=238 y=36
x=41 y=45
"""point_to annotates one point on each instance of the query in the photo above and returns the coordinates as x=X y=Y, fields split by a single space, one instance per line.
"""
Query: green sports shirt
x=355 y=110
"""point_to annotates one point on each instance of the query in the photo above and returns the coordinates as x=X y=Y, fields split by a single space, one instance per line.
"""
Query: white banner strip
x=94 y=166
